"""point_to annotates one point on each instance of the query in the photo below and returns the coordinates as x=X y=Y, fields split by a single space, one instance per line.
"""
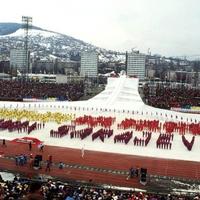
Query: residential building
x=18 y=59
x=89 y=62
x=136 y=65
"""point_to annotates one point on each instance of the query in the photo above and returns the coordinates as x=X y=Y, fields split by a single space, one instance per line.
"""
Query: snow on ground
x=178 y=150
x=32 y=32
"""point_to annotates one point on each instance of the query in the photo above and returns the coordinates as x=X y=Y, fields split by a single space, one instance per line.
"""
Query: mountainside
x=49 y=45
x=8 y=28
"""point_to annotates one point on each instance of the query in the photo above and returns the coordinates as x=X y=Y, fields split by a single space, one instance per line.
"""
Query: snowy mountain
x=50 y=45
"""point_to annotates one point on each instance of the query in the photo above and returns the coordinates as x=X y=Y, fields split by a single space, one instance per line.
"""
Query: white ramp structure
x=118 y=92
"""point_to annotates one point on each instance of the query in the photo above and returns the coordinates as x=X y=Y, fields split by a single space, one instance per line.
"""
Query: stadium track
x=97 y=167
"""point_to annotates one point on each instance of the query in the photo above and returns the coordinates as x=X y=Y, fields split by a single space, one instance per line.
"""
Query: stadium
x=112 y=139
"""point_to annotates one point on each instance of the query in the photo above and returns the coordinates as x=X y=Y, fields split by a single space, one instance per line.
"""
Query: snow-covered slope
x=43 y=43
x=32 y=33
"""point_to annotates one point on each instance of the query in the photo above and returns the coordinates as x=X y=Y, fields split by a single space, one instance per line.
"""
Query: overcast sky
x=167 y=27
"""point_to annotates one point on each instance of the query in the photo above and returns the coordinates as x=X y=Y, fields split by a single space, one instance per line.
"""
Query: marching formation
x=100 y=127
x=17 y=114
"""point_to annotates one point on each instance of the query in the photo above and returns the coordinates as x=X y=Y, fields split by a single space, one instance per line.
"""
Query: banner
x=27 y=140
x=40 y=100
x=194 y=110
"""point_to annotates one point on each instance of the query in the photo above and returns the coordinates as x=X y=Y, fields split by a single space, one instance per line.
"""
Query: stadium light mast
x=26 y=25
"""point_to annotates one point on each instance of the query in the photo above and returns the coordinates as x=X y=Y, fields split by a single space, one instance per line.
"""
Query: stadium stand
x=17 y=90
x=21 y=188
x=167 y=97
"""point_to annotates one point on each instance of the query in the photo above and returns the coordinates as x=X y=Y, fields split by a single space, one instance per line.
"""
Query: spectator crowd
x=17 y=90
x=167 y=97
x=24 y=189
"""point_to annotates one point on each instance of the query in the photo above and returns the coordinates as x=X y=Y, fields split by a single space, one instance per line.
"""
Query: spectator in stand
x=17 y=90
x=61 y=191
x=35 y=192
x=167 y=97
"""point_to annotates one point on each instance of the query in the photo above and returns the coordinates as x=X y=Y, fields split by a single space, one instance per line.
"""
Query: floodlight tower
x=26 y=25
